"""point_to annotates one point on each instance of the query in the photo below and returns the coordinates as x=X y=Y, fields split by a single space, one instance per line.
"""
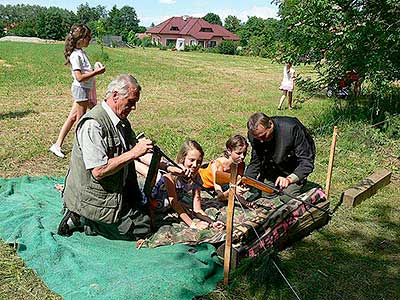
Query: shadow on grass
x=363 y=109
x=357 y=262
x=16 y=114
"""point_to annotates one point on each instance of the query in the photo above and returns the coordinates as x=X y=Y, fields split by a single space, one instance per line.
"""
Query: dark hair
x=186 y=147
x=77 y=32
x=236 y=141
x=256 y=119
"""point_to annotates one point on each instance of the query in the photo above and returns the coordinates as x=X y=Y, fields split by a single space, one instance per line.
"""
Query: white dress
x=287 y=83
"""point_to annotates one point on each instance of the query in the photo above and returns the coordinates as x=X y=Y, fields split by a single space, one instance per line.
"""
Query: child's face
x=238 y=154
x=193 y=160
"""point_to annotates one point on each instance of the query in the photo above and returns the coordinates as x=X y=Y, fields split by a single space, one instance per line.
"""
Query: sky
x=156 y=11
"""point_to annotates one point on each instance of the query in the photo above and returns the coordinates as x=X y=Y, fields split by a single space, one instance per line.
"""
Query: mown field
x=208 y=97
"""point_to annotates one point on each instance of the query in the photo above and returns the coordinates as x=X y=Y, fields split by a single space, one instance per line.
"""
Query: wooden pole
x=330 y=165
x=229 y=223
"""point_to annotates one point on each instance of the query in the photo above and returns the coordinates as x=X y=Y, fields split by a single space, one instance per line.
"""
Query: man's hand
x=143 y=146
x=282 y=182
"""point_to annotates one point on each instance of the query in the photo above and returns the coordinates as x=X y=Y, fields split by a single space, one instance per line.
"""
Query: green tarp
x=83 y=267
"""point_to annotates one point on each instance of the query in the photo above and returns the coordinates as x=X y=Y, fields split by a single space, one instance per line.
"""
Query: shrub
x=227 y=47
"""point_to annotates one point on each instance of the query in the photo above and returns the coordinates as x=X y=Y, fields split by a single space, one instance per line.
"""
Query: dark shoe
x=69 y=223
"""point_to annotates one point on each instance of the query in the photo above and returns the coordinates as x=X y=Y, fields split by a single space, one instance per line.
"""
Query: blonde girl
x=182 y=193
x=83 y=75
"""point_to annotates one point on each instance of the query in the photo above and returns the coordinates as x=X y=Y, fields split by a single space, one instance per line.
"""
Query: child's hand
x=240 y=189
x=100 y=70
x=201 y=225
x=218 y=225
x=185 y=172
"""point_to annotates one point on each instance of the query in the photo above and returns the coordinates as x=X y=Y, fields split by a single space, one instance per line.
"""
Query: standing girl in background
x=235 y=152
x=287 y=85
x=78 y=37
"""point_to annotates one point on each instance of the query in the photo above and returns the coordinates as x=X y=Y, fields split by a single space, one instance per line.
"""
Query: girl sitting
x=183 y=192
x=235 y=152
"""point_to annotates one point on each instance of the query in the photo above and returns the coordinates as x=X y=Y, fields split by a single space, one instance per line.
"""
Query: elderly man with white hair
x=101 y=194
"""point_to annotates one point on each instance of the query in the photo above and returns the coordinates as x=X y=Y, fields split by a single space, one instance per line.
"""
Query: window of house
x=170 y=42
x=174 y=28
x=193 y=42
x=206 y=29
x=212 y=44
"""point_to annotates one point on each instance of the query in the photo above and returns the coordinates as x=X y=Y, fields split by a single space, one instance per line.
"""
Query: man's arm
x=304 y=151
x=254 y=167
x=94 y=151
x=115 y=164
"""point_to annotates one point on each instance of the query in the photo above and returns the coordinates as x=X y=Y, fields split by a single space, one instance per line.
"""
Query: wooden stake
x=229 y=223
x=330 y=166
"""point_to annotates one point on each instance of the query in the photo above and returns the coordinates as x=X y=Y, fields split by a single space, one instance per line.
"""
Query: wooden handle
x=258 y=185
x=330 y=165
x=229 y=223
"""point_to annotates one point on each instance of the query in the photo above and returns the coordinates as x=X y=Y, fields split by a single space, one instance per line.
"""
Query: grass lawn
x=208 y=97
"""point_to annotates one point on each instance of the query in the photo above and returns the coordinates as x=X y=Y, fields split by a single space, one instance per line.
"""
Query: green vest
x=108 y=199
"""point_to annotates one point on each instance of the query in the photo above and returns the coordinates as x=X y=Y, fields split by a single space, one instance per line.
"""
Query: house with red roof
x=193 y=31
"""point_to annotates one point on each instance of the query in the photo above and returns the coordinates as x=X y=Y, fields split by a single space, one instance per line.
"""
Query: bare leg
x=282 y=99
x=142 y=168
x=77 y=111
x=290 y=95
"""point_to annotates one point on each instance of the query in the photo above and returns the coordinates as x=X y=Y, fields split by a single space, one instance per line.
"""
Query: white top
x=79 y=61
x=288 y=79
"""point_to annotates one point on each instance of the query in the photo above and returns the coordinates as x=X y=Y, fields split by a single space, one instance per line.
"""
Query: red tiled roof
x=192 y=26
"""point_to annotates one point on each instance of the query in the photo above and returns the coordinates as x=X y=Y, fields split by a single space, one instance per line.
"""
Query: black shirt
x=290 y=150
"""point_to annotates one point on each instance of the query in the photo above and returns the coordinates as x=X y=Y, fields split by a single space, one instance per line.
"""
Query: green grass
x=208 y=97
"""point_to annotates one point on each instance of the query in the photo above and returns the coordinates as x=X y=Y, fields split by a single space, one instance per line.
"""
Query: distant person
x=101 y=194
x=235 y=152
x=287 y=85
x=183 y=193
x=283 y=152
x=78 y=37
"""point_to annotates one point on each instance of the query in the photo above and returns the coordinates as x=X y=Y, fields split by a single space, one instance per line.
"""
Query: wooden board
x=365 y=189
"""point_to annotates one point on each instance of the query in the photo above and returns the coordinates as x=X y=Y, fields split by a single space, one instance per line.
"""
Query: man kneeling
x=101 y=194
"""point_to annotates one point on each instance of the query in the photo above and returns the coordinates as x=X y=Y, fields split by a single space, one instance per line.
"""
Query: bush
x=227 y=47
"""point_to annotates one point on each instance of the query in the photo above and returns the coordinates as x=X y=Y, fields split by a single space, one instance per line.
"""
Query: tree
x=212 y=19
x=121 y=22
x=363 y=35
x=54 y=23
x=232 y=23
x=20 y=19
x=86 y=14
x=259 y=36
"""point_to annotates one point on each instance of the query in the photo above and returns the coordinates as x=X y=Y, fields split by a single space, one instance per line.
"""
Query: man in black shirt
x=282 y=153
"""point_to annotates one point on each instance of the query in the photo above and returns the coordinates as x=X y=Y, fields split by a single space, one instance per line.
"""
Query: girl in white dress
x=287 y=85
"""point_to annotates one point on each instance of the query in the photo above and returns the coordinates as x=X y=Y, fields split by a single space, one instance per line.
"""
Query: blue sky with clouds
x=156 y=11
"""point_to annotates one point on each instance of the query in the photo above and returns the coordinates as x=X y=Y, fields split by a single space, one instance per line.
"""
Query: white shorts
x=80 y=94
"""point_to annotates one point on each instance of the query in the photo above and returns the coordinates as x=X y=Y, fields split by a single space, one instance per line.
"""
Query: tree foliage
x=122 y=21
x=232 y=23
x=86 y=14
x=212 y=19
x=54 y=22
x=363 y=35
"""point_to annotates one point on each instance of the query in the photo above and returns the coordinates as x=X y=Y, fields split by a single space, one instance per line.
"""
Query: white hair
x=121 y=85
